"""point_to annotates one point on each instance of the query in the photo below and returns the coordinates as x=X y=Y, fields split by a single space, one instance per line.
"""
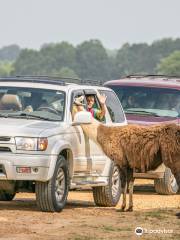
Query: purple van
x=151 y=99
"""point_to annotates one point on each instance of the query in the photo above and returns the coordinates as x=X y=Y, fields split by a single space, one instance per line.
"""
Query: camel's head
x=79 y=100
x=78 y=105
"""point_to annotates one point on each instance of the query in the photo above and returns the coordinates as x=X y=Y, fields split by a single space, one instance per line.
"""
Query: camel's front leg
x=124 y=188
x=130 y=184
x=124 y=191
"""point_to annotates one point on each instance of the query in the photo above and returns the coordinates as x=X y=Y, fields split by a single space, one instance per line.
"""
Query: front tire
x=108 y=196
x=51 y=196
x=166 y=185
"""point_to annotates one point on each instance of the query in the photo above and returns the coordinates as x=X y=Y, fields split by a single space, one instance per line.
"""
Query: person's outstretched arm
x=102 y=101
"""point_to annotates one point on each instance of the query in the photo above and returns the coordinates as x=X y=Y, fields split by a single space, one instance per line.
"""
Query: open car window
x=114 y=107
x=96 y=105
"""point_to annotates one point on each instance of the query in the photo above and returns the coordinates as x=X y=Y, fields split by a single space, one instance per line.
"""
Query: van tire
x=166 y=185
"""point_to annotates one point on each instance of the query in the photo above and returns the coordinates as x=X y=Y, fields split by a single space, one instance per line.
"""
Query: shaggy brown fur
x=142 y=148
x=138 y=148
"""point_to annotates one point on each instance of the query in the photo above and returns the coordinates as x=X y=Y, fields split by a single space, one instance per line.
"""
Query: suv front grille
x=5 y=149
x=4 y=139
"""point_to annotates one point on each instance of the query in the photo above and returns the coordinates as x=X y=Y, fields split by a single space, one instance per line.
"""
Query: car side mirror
x=82 y=118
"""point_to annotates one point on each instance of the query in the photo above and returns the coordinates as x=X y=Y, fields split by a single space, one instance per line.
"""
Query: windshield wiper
x=33 y=115
x=5 y=115
x=25 y=114
x=141 y=112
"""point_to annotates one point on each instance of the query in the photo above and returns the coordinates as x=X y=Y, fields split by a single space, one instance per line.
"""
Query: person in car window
x=97 y=113
x=176 y=104
x=132 y=102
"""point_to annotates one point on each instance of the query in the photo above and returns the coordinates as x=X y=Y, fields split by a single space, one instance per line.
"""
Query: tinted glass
x=113 y=106
x=31 y=102
x=149 y=101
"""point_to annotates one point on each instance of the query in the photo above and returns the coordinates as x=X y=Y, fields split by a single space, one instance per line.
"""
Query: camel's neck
x=91 y=129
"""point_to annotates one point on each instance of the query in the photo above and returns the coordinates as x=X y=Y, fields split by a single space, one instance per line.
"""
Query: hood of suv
x=24 y=127
x=148 y=120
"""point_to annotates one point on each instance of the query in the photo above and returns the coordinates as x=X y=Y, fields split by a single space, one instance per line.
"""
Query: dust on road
x=82 y=220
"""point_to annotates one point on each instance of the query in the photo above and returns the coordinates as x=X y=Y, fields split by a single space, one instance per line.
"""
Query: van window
x=114 y=107
x=160 y=102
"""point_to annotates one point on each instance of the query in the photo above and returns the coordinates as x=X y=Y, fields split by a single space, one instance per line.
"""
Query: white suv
x=43 y=150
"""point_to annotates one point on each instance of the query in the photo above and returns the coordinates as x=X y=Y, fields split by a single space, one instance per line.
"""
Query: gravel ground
x=82 y=220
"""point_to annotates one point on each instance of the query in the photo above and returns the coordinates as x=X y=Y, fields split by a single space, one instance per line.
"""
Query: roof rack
x=51 y=80
x=46 y=77
x=40 y=79
x=150 y=75
x=91 y=82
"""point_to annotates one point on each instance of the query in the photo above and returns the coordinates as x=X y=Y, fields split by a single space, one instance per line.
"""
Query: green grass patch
x=160 y=214
x=79 y=237
x=115 y=229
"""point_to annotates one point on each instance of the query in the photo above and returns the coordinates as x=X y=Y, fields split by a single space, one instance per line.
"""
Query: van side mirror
x=82 y=118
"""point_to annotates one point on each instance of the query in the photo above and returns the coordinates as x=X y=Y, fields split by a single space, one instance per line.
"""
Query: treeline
x=90 y=60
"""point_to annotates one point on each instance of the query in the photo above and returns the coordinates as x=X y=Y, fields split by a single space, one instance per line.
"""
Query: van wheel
x=51 y=196
x=166 y=185
x=5 y=196
x=108 y=196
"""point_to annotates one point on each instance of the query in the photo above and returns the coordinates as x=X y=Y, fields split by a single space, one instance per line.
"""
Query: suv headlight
x=31 y=144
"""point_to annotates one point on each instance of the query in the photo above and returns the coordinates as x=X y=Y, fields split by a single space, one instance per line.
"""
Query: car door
x=79 y=143
x=114 y=116
x=95 y=156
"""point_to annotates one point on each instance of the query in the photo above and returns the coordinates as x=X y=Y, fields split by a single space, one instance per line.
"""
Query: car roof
x=63 y=81
x=156 y=81
x=52 y=82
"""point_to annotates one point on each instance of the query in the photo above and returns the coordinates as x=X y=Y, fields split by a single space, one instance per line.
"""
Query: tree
x=170 y=65
x=51 y=58
x=143 y=58
x=161 y=49
x=131 y=59
x=9 y=53
x=6 y=68
x=27 y=63
x=57 y=56
x=92 y=61
x=66 y=73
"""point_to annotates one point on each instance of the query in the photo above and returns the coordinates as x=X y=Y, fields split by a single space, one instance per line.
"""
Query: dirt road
x=82 y=220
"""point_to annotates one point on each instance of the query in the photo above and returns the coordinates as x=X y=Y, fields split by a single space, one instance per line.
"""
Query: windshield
x=158 y=102
x=29 y=103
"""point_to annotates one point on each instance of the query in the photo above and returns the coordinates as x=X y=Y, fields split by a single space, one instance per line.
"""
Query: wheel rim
x=60 y=185
x=115 y=181
x=173 y=183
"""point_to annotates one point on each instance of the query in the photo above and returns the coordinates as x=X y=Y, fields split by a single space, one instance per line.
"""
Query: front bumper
x=39 y=165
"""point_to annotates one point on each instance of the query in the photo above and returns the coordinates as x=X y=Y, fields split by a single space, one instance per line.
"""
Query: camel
x=137 y=148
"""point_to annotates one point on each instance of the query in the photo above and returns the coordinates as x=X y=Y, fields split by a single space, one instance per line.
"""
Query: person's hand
x=102 y=98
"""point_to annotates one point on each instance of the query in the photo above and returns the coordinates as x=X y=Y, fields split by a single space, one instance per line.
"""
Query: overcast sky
x=31 y=23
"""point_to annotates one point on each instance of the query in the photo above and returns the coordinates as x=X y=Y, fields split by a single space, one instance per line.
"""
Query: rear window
x=149 y=101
